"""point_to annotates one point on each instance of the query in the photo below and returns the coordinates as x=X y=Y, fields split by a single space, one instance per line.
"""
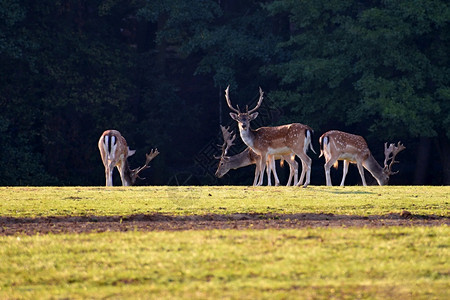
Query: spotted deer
x=115 y=152
x=249 y=157
x=337 y=145
x=280 y=140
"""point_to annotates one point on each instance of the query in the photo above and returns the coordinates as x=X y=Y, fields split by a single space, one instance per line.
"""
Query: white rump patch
x=105 y=147
x=112 y=152
x=326 y=146
x=106 y=141
x=307 y=141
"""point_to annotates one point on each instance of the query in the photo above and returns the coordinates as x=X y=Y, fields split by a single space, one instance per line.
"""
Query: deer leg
x=274 y=169
x=361 y=172
x=291 y=175
x=306 y=163
x=302 y=175
x=308 y=170
x=268 y=172
x=262 y=165
x=122 y=169
x=290 y=179
x=295 y=169
x=108 y=176
x=261 y=175
x=291 y=171
x=327 y=168
x=109 y=168
x=256 y=175
x=344 y=171
x=122 y=175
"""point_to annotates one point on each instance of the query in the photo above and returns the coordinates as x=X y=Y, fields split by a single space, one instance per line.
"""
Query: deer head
x=244 y=118
x=388 y=151
x=228 y=138
x=134 y=174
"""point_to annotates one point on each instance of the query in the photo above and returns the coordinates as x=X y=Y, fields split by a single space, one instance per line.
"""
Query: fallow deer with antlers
x=115 y=152
x=249 y=157
x=337 y=145
x=280 y=140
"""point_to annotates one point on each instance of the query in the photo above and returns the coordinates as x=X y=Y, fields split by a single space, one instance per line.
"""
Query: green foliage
x=352 y=60
x=77 y=79
x=223 y=42
x=180 y=19
x=11 y=15
x=156 y=70
x=19 y=163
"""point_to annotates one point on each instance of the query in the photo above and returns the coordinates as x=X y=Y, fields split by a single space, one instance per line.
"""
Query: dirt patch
x=161 y=222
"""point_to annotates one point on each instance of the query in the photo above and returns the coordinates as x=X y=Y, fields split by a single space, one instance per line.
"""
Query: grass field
x=309 y=263
x=81 y=201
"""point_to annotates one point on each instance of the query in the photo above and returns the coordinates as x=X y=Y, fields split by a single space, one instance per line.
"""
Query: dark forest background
x=156 y=71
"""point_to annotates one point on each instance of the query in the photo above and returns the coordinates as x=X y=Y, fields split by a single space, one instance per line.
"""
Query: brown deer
x=337 y=145
x=249 y=157
x=115 y=152
x=280 y=140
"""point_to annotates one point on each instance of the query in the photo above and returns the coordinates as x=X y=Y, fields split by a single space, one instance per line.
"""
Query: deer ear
x=253 y=116
x=131 y=152
x=234 y=116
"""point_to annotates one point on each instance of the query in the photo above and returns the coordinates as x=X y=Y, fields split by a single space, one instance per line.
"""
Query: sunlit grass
x=63 y=201
x=310 y=263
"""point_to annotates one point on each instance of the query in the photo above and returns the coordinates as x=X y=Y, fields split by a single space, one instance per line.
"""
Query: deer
x=115 y=152
x=337 y=145
x=292 y=138
x=249 y=157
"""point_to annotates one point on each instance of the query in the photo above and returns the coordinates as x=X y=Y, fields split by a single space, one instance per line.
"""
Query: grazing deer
x=337 y=145
x=280 y=140
x=249 y=157
x=114 y=152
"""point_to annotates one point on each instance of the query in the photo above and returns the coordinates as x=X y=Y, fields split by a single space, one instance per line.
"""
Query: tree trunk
x=443 y=146
x=422 y=161
x=446 y=161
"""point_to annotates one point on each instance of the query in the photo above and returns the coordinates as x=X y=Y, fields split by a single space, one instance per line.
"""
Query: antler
x=261 y=97
x=394 y=150
x=228 y=138
x=149 y=157
x=227 y=97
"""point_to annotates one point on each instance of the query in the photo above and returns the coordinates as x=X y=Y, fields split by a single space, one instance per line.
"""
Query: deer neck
x=248 y=136
x=127 y=174
x=376 y=170
x=240 y=160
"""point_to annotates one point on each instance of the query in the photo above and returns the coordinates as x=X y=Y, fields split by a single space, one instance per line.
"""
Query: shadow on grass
x=341 y=191
x=162 y=222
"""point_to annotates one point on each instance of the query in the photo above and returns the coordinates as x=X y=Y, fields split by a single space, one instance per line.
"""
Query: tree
x=222 y=38
x=20 y=163
x=157 y=70
x=382 y=65
x=65 y=79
